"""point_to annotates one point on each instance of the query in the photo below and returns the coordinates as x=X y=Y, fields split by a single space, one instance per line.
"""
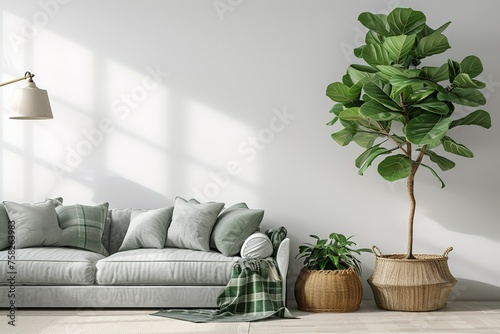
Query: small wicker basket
x=328 y=290
x=421 y=284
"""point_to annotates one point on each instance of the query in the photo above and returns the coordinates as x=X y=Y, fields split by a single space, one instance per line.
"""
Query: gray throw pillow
x=36 y=225
x=4 y=228
x=147 y=229
x=233 y=226
x=82 y=226
x=192 y=224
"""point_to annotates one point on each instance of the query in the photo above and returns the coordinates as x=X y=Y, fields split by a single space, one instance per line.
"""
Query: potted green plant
x=401 y=111
x=329 y=280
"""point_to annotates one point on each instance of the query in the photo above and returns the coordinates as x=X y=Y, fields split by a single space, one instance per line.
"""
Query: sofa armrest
x=283 y=258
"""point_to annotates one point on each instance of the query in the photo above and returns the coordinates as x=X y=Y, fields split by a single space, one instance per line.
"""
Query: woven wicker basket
x=328 y=290
x=422 y=284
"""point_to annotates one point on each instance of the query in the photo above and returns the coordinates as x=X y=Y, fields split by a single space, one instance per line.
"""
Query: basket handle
x=447 y=251
x=376 y=251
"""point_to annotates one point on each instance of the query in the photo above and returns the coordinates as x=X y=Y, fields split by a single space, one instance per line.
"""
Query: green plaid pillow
x=82 y=226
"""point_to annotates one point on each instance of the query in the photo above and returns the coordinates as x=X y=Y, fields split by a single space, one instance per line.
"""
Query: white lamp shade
x=31 y=102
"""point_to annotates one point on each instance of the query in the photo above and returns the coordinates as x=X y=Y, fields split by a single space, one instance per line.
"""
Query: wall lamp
x=29 y=102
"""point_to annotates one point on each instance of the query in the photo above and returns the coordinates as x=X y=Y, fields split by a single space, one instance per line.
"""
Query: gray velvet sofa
x=55 y=276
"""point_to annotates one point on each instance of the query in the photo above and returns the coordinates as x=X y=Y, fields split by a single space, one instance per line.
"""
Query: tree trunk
x=413 y=205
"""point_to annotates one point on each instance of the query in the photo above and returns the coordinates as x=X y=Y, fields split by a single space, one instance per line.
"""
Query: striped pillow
x=82 y=226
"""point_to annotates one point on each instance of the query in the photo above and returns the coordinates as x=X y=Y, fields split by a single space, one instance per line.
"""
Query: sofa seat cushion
x=166 y=266
x=51 y=266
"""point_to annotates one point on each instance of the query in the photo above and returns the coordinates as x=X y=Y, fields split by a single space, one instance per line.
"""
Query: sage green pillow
x=4 y=228
x=82 y=226
x=147 y=229
x=192 y=224
x=233 y=226
x=36 y=224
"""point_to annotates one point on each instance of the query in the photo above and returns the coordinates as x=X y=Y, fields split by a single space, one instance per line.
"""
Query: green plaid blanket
x=253 y=293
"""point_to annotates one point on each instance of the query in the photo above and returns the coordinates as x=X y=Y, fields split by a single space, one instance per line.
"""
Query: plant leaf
x=405 y=21
x=453 y=69
x=358 y=76
x=338 y=92
x=377 y=112
x=435 y=174
x=426 y=128
x=463 y=80
x=443 y=163
x=399 y=47
x=436 y=74
x=375 y=22
x=465 y=96
x=350 y=114
x=395 y=167
x=377 y=94
x=375 y=54
x=369 y=159
x=479 y=117
x=433 y=44
x=472 y=66
x=344 y=136
x=365 y=139
x=434 y=106
x=451 y=146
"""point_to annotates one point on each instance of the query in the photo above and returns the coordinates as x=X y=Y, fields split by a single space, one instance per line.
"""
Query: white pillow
x=257 y=246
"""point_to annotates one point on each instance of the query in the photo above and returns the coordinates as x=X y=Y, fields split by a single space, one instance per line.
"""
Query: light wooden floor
x=457 y=317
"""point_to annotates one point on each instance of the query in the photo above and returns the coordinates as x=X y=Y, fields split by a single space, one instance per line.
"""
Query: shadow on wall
x=474 y=290
x=128 y=194
x=473 y=214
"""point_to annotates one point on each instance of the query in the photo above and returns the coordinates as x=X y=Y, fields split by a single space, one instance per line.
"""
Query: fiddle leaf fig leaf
x=463 y=80
x=399 y=47
x=375 y=54
x=344 y=136
x=453 y=69
x=374 y=37
x=451 y=146
x=431 y=45
x=337 y=108
x=426 y=128
x=479 y=117
x=443 y=163
x=365 y=160
x=435 y=175
x=377 y=112
x=365 y=139
x=377 y=94
x=405 y=21
x=428 y=30
x=359 y=76
x=470 y=97
x=375 y=22
x=434 y=106
x=436 y=74
x=338 y=92
x=472 y=66
x=350 y=114
x=395 y=167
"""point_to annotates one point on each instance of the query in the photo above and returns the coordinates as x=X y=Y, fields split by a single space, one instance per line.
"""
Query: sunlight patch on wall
x=70 y=70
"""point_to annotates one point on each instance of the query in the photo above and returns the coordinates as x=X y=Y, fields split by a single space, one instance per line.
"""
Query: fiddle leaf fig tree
x=400 y=108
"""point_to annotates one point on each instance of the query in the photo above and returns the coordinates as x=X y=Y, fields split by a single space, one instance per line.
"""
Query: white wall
x=157 y=99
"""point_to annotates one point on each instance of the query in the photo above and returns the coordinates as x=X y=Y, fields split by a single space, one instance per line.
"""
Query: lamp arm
x=26 y=76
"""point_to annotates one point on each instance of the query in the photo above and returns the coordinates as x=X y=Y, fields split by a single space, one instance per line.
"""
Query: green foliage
x=334 y=253
x=395 y=109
